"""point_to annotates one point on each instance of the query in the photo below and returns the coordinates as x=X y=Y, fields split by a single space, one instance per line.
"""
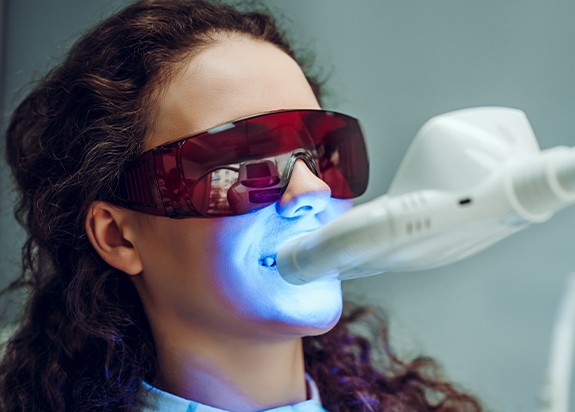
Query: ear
x=110 y=229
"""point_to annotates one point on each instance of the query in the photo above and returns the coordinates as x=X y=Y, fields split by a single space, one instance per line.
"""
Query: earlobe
x=109 y=232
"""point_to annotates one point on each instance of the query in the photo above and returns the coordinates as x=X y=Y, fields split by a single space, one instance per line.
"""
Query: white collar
x=157 y=400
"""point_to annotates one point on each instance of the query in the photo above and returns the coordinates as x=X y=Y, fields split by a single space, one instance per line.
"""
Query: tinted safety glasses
x=244 y=165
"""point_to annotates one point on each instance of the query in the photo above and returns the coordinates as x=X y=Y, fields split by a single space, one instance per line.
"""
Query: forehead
x=232 y=78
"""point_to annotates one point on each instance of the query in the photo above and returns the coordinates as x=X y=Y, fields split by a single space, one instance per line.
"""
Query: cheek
x=178 y=258
x=179 y=248
x=207 y=261
x=234 y=260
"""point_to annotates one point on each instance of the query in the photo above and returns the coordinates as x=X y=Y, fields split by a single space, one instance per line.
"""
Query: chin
x=325 y=328
x=326 y=307
x=316 y=322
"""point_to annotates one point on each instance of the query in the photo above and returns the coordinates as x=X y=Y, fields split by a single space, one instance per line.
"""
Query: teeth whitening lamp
x=469 y=179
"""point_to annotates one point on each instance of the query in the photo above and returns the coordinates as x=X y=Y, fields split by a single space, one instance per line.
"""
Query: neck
x=253 y=374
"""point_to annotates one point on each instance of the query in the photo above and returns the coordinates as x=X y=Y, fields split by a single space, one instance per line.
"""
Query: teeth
x=268 y=261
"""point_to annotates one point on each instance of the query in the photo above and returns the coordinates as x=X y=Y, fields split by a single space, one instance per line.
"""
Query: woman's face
x=209 y=273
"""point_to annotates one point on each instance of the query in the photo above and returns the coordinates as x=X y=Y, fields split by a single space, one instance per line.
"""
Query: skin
x=224 y=323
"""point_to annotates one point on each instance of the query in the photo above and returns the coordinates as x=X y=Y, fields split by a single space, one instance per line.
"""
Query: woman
x=160 y=167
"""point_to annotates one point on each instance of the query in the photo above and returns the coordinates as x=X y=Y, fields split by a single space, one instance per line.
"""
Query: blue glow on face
x=257 y=292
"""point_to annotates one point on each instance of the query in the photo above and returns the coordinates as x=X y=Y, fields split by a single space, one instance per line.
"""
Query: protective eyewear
x=244 y=165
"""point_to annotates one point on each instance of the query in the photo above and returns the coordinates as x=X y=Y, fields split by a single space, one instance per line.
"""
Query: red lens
x=343 y=162
x=239 y=167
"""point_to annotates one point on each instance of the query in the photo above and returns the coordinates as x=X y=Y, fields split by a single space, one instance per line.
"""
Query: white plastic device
x=470 y=178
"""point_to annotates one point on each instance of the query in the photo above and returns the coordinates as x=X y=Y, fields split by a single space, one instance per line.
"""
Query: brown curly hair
x=84 y=342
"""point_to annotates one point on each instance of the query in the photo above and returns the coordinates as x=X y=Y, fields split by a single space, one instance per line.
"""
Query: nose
x=305 y=193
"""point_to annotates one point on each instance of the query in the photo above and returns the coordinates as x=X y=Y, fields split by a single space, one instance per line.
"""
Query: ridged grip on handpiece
x=566 y=171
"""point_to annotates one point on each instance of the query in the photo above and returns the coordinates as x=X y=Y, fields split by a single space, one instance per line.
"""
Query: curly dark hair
x=84 y=342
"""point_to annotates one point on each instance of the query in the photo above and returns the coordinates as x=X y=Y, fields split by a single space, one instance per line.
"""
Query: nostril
x=303 y=209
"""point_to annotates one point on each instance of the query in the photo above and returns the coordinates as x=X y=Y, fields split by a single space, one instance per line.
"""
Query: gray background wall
x=395 y=64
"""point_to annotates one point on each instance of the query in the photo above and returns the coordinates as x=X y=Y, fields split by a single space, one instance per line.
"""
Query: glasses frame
x=143 y=185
